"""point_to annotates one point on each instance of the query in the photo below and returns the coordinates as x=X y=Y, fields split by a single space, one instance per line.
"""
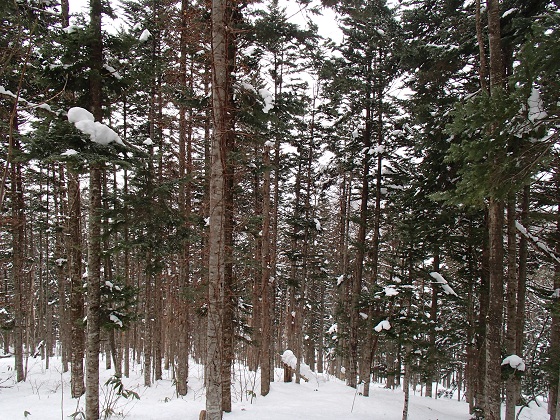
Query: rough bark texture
x=374 y=253
x=554 y=367
x=94 y=226
x=495 y=45
x=185 y=171
x=483 y=69
x=360 y=255
x=18 y=270
x=494 y=317
x=431 y=374
x=93 y=296
x=74 y=249
x=266 y=292
x=216 y=239
x=511 y=326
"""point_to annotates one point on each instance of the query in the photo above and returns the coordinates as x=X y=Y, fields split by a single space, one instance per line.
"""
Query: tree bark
x=406 y=381
x=431 y=374
x=554 y=384
x=74 y=249
x=483 y=69
x=360 y=255
x=494 y=317
x=94 y=225
x=266 y=292
x=495 y=236
x=185 y=187
x=18 y=269
x=512 y=296
x=374 y=247
x=221 y=90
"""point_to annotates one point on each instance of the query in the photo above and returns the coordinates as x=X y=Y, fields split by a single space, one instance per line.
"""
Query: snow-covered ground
x=46 y=395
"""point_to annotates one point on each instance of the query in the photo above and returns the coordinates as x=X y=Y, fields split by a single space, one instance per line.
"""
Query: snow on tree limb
x=515 y=362
x=537 y=243
x=98 y=132
x=444 y=284
x=383 y=325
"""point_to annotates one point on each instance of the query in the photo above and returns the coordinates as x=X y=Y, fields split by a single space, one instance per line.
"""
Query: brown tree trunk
x=265 y=287
x=512 y=296
x=495 y=236
x=233 y=13
x=494 y=317
x=18 y=269
x=483 y=69
x=554 y=385
x=94 y=225
x=221 y=91
x=431 y=374
x=148 y=322
x=360 y=255
x=74 y=247
x=369 y=350
x=406 y=381
x=185 y=172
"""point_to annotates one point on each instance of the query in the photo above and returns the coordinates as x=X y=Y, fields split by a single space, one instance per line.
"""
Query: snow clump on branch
x=515 y=362
x=98 y=132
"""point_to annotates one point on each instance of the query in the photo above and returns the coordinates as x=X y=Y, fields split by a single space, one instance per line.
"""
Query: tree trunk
x=74 y=249
x=93 y=295
x=495 y=236
x=185 y=172
x=266 y=290
x=221 y=90
x=511 y=326
x=483 y=70
x=94 y=226
x=494 y=317
x=431 y=373
x=369 y=351
x=406 y=381
x=18 y=269
x=554 y=385
x=360 y=255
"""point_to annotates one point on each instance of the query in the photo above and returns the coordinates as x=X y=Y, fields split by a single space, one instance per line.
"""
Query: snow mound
x=289 y=358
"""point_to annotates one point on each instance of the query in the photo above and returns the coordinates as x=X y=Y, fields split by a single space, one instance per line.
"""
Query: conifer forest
x=221 y=183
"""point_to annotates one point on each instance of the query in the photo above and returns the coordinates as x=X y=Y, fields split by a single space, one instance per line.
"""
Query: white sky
x=328 y=27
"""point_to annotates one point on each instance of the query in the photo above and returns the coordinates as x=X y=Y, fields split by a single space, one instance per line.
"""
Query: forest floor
x=46 y=395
